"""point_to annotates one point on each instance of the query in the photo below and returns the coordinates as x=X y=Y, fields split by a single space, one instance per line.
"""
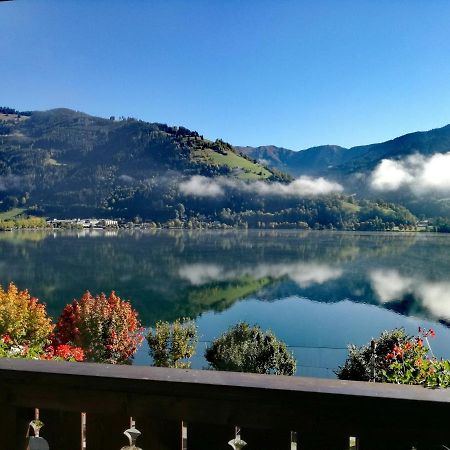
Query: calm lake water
x=319 y=291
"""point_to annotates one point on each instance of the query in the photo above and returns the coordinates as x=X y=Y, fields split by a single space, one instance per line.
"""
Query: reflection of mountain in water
x=169 y=274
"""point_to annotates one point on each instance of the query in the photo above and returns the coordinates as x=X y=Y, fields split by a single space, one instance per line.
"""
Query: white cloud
x=199 y=186
x=301 y=187
x=419 y=173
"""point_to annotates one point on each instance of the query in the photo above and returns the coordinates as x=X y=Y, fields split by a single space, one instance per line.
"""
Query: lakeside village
x=111 y=224
x=420 y=226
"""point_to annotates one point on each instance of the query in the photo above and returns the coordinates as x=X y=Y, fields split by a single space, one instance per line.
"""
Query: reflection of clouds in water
x=303 y=274
x=436 y=298
x=198 y=274
x=389 y=286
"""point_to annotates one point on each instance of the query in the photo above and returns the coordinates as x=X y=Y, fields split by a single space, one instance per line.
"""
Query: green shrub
x=363 y=364
x=249 y=349
x=171 y=344
x=397 y=358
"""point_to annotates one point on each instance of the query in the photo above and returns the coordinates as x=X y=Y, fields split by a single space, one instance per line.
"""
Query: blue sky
x=289 y=73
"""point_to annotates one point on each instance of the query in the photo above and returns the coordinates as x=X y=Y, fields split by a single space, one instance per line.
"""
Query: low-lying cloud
x=419 y=173
x=200 y=186
x=11 y=182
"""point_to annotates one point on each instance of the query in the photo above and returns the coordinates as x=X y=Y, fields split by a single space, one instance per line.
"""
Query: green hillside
x=64 y=163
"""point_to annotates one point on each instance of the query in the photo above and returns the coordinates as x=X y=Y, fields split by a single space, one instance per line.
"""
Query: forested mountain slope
x=64 y=163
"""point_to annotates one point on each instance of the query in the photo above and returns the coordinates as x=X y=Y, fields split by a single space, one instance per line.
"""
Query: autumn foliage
x=106 y=328
x=22 y=318
x=26 y=330
x=64 y=351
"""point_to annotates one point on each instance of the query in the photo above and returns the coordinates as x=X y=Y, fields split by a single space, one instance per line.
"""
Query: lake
x=318 y=291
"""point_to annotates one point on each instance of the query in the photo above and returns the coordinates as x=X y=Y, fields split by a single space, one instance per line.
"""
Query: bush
x=363 y=364
x=23 y=319
x=411 y=363
x=397 y=358
x=249 y=349
x=170 y=344
x=62 y=352
x=106 y=328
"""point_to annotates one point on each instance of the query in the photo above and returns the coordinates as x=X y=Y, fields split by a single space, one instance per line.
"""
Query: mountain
x=65 y=163
x=354 y=167
x=311 y=161
x=67 y=158
x=328 y=160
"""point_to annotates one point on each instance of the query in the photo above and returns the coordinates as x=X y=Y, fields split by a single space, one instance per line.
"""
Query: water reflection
x=432 y=296
x=173 y=273
x=303 y=274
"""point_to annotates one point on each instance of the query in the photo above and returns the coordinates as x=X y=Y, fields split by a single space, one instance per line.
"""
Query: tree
x=180 y=209
x=106 y=328
x=23 y=319
x=244 y=348
x=171 y=344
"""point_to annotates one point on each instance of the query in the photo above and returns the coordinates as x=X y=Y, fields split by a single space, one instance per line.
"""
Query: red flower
x=6 y=339
x=68 y=352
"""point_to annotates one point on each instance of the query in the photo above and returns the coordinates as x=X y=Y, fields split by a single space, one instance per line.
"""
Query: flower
x=6 y=339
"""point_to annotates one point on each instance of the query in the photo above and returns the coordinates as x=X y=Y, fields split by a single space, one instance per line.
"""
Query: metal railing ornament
x=237 y=443
x=36 y=442
x=132 y=434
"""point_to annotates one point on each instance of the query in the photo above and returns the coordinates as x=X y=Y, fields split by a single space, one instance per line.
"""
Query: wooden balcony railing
x=273 y=413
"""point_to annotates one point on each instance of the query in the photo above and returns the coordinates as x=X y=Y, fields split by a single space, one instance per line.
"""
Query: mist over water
x=319 y=291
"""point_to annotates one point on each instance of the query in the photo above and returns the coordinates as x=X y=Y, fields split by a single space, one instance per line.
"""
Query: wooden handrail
x=224 y=399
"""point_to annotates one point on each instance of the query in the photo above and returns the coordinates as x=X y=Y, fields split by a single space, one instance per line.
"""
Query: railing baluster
x=353 y=443
x=83 y=430
x=237 y=443
x=36 y=442
x=293 y=440
x=184 y=435
x=132 y=434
